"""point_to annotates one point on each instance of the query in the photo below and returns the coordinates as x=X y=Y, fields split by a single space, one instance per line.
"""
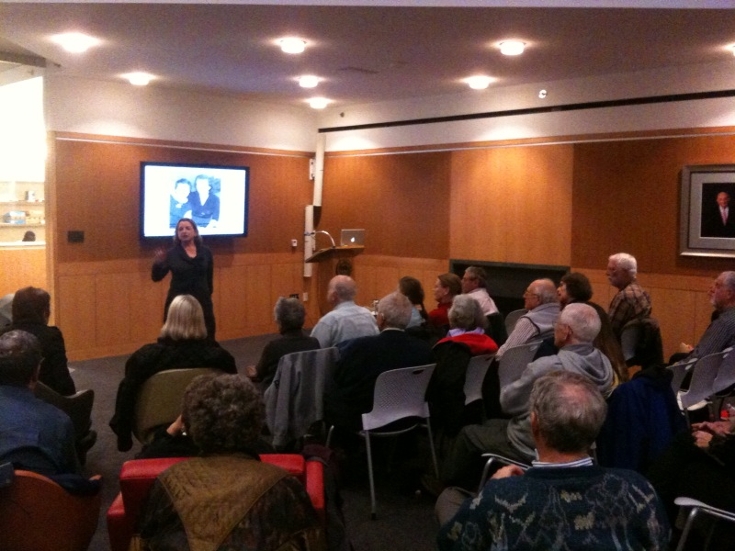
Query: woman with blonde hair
x=182 y=343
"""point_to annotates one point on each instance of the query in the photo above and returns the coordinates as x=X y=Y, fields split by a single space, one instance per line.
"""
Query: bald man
x=347 y=320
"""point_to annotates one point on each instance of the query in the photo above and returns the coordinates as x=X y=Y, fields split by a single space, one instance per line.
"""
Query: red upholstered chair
x=36 y=514
x=137 y=478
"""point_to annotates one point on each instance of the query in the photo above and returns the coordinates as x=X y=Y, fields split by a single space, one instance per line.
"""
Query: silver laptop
x=352 y=237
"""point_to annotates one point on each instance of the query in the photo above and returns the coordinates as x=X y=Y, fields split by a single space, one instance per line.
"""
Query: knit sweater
x=565 y=508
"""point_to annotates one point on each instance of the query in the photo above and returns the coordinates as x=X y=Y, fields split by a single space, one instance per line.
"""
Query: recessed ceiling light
x=542 y=94
x=292 y=45
x=138 y=78
x=512 y=47
x=478 y=82
x=732 y=48
x=318 y=103
x=75 y=43
x=308 y=81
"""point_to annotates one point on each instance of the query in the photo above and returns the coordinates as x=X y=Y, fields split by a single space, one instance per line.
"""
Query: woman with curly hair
x=226 y=498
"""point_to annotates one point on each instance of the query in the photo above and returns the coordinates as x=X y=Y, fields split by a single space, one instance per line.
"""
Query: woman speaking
x=192 y=270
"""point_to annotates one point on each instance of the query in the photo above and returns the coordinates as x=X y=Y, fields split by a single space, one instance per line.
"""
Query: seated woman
x=447 y=287
x=226 y=498
x=466 y=339
x=289 y=314
x=30 y=311
x=411 y=288
x=182 y=343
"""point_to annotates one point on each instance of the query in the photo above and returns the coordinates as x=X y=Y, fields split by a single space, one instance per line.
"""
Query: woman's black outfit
x=189 y=276
x=149 y=360
x=54 y=371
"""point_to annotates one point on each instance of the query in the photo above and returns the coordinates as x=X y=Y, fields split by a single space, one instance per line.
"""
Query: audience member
x=226 y=498
x=563 y=501
x=411 y=287
x=574 y=331
x=474 y=283
x=631 y=302
x=182 y=343
x=31 y=309
x=467 y=326
x=34 y=435
x=363 y=359
x=445 y=394
x=576 y=288
x=447 y=287
x=721 y=332
x=541 y=301
x=289 y=314
x=347 y=320
x=700 y=465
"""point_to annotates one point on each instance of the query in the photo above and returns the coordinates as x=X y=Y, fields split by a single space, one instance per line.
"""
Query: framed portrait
x=707 y=217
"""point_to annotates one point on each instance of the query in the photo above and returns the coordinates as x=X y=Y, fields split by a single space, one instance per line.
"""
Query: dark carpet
x=405 y=515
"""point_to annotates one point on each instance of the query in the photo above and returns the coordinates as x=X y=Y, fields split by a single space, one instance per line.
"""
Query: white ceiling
x=365 y=53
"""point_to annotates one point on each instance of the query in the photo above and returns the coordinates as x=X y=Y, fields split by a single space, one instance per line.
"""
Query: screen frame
x=190 y=169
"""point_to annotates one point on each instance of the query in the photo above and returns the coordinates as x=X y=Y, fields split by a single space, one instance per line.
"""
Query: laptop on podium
x=352 y=237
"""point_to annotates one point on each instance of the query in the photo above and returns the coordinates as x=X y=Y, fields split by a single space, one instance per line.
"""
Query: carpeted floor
x=405 y=516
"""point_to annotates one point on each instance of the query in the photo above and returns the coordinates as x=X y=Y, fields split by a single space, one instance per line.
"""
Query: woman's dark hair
x=578 y=286
x=289 y=313
x=197 y=238
x=412 y=289
x=452 y=282
x=31 y=305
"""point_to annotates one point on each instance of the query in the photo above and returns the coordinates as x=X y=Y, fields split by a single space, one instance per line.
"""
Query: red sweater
x=478 y=343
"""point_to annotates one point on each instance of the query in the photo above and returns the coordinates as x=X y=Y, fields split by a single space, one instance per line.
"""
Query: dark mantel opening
x=507 y=281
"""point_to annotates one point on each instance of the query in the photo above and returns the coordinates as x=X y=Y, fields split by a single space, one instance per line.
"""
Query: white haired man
x=347 y=320
x=563 y=501
x=632 y=301
x=542 y=302
x=577 y=326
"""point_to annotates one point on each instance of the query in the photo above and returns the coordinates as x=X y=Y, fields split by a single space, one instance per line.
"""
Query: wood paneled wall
x=21 y=267
x=512 y=204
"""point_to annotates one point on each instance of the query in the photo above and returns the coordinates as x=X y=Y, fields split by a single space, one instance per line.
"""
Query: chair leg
x=485 y=472
x=433 y=450
x=329 y=436
x=373 y=513
x=687 y=528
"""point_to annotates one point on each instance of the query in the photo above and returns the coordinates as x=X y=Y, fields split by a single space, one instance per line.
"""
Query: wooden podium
x=327 y=260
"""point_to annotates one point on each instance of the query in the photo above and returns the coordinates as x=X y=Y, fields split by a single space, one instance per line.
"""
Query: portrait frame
x=703 y=230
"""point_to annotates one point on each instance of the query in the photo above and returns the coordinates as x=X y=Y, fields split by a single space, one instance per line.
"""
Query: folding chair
x=497 y=458
x=514 y=361
x=704 y=373
x=679 y=372
x=399 y=394
x=512 y=318
x=476 y=371
x=696 y=508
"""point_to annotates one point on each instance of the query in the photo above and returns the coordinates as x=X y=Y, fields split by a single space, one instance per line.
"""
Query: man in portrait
x=718 y=220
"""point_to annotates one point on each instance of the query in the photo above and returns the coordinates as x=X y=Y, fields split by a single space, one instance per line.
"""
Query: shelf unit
x=13 y=198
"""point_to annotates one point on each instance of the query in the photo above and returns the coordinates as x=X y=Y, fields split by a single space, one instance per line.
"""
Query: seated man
x=631 y=302
x=576 y=328
x=34 y=435
x=542 y=303
x=474 y=283
x=362 y=360
x=31 y=308
x=347 y=320
x=721 y=332
x=563 y=501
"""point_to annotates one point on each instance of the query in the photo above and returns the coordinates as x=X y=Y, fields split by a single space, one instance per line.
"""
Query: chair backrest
x=512 y=318
x=159 y=399
x=726 y=374
x=295 y=399
x=514 y=361
x=703 y=376
x=476 y=371
x=36 y=514
x=679 y=372
x=629 y=338
x=399 y=394
x=495 y=328
x=78 y=406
